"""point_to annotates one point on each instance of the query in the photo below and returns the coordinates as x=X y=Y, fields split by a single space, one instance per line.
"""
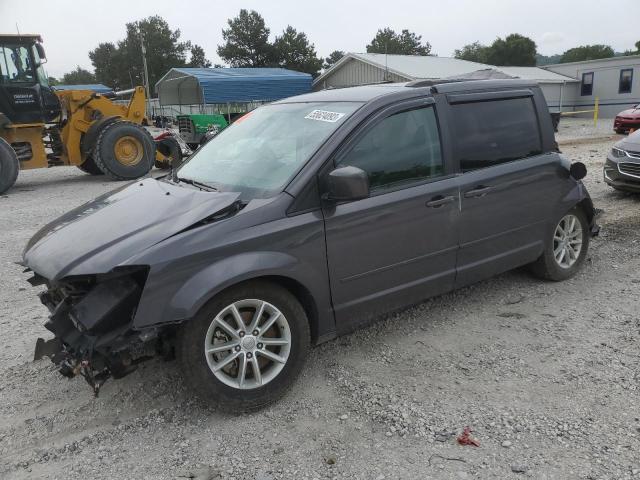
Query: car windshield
x=260 y=152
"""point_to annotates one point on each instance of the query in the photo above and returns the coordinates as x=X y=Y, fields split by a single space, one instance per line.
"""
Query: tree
x=292 y=50
x=405 y=43
x=332 y=58
x=473 y=52
x=120 y=65
x=547 y=59
x=53 y=81
x=246 y=41
x=110 y=68
x=78 y=76
x=587 y=52
x=198 y=57
x=515 y=50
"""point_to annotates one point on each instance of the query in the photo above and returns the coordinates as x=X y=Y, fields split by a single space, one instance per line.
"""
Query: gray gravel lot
x=545 y=374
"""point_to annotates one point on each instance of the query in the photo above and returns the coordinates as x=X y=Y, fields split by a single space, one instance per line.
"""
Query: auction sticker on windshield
x=325 y=116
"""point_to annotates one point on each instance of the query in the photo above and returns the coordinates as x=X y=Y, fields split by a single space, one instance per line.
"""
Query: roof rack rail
x=431 y=83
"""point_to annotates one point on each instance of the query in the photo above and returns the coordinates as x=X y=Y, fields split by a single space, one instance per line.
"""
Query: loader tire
x=169 y=147
x=9 y=166
x=124 y=151
x=89 y=166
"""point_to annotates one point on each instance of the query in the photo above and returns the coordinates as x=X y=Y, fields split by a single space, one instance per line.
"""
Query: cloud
x=552 y=38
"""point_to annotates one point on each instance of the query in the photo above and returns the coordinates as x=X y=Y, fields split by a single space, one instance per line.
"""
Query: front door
x=399 y=245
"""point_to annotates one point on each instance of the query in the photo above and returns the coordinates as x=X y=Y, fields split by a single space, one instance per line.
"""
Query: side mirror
x=41 y=54
x=348 y=183
x=578 y=170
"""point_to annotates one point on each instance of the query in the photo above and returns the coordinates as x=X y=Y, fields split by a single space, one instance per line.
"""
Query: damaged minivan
x=303 y=220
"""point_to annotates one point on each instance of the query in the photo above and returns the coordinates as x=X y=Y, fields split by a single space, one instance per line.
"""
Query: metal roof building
x=614 y=81
x=193 y=86
x=369 y=68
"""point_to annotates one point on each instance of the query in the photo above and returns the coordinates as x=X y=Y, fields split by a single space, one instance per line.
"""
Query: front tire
x=9 y=166
x=124 y=151
x=245 y=347
x=565 y=248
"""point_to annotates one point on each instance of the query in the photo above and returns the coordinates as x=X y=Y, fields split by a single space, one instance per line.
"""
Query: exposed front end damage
x=91 y=318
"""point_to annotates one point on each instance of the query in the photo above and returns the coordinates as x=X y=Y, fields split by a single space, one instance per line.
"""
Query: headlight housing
x=618 y=153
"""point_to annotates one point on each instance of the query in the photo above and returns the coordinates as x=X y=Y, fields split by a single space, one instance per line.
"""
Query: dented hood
x=104 y=233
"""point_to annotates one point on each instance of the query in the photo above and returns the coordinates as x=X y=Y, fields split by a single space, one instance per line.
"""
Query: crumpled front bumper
x=91 y=318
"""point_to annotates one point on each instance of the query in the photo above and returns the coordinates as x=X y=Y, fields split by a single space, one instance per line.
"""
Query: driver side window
x=402 y=148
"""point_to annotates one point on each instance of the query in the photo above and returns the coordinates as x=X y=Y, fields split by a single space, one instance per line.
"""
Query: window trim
x=582 y=84
x=620 y=92
x=385 y=112
x=501 y=98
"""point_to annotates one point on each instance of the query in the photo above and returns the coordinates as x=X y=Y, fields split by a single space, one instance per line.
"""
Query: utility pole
x=145 y=72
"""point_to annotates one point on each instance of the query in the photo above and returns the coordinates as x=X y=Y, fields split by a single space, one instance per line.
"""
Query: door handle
x=479 y=191
x=439 y=201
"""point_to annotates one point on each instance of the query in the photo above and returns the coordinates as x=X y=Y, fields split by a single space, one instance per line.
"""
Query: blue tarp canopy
x=193 y=86
x=94 y=87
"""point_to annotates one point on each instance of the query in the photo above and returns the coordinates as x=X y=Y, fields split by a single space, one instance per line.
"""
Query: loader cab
x=25 y=94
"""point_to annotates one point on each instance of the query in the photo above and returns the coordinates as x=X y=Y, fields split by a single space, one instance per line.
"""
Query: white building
x=561 y=84
x=614 y=81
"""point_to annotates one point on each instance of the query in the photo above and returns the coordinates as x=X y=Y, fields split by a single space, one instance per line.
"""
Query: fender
x=196 y=291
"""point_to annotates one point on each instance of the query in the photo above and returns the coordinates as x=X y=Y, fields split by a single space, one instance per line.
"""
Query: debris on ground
x=466 y=439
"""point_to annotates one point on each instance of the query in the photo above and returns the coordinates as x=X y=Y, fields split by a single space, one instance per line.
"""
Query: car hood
x=631 y=143
x=104 y=233
x=630 y=112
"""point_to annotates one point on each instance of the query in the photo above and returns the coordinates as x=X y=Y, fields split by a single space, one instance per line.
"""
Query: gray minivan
x=303 y=220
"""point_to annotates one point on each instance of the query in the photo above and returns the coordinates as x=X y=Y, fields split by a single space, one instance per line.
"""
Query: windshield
x=259 y=153
x=15 y=64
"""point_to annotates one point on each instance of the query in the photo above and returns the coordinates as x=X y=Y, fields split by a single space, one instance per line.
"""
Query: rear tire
x=548 y=266
x=224 y=388
x=169 y=147
x=124 y=151
x=89 y=166
x=9 y=166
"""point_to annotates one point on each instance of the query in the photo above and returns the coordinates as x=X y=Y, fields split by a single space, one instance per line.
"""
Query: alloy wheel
x=567 y=241
x=247 y=344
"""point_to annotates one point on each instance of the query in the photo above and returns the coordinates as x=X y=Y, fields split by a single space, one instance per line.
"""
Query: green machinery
x=196 y=129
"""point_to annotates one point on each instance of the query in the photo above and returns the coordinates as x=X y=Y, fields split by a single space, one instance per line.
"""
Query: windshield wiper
x=196 y=183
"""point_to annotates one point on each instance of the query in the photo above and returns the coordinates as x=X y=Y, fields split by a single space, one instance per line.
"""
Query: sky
x=71 y=28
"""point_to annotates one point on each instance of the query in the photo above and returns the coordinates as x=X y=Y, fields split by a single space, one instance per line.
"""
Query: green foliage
x=633 y=52
x=53 y=81
x=292 y=50
x=587 y=52
x=515 y=50
x=332 y=58
x=78 y=76
x=246 y=41
x=120 y=66
x=247 y=45
x=392 y=43
x=198 y=58
x=473 y=52
x=547 y=59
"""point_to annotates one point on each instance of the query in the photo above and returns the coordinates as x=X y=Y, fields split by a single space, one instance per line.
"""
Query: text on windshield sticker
x=325 y=116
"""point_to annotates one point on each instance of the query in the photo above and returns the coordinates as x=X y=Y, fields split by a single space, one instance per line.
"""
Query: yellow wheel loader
x=42 y=127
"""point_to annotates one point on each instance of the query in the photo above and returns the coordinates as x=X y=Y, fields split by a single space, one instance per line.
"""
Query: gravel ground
x=545 y=374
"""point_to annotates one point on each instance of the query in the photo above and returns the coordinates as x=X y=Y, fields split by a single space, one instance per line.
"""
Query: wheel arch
x=274 y=267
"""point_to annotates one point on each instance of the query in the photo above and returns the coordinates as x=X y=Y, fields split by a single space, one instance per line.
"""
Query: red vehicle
x=627 y=120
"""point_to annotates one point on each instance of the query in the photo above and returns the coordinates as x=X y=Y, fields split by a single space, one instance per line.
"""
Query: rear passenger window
x=402 y=148
x=494 y=132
